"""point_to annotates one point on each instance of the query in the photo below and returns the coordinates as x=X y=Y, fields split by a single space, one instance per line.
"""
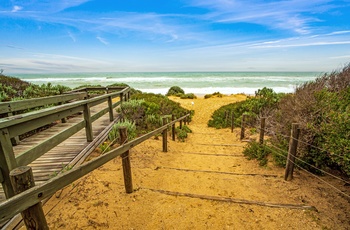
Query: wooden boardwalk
x=52 y=162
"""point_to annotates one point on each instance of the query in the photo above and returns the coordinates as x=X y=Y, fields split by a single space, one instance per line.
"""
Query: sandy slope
x=196 y=166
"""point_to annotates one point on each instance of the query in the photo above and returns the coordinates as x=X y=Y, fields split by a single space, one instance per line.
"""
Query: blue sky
x=174 y=35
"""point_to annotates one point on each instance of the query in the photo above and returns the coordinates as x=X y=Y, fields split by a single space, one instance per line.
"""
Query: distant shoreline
x=198 y=83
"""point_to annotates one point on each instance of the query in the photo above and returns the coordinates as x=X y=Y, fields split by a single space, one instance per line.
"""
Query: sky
x=173 y=36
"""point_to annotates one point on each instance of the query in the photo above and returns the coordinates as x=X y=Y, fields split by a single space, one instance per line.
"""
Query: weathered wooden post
x=110 y=109
x=14 y=140
x=22 y=179
x=243 y=126
x=232 y=122
x=173 y=127
x=126 y=161
x=165 y=136
x=63 y=120
x=7 y=162
x=121 y=98
x=88 y=123
x=262 y=130
x=180 y=124
x=293 y=145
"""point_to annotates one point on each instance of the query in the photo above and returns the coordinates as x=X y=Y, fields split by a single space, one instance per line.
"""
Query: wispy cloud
x=291 y=15
x=70 y=34
x=102 y=40
x=14 y=47
x=329 y=39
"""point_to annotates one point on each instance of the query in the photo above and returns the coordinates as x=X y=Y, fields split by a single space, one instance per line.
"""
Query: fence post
x=232 y=122
x=293 y=145
x=22 y=179
x=110 y=108
x=7 y=162
x=173 y=128
x=14 y=140
x=243 y=126
x=126 y=161
x=88 y=123
x=165 y=136
x=262 y=130
x=63 y=120
x=121 y=98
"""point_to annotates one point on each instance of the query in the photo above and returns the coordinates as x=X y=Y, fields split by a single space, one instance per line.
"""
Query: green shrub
x=105 y=146
x=175 y=91
x=321 y=108
x=160 y=105
x=255 y=150
x=264 y=102
x=186 y=129
x=113 y=135
x=132 y=110
x=216 y=94
x=188 y=96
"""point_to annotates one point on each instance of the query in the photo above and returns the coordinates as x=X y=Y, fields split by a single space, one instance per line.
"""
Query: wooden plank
x=12 y=106
x=40 y=149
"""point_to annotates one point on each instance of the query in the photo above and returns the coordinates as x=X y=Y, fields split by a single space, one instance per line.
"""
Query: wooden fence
x=15 y=125
x=36 y=194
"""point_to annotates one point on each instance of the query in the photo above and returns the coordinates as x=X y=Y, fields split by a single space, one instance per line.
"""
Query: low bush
x=255 y=150
x=175 y=91
x=264 y=102
x=216 y=94
x=188 y=96
x=181 y=133
x=130 y=126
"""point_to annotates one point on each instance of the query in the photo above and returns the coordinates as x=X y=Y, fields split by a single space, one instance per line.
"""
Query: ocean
x=199 y=83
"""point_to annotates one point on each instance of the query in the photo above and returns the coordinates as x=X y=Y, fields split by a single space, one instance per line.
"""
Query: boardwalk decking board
x=57 y=158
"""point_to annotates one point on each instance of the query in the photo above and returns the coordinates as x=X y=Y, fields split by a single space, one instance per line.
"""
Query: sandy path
x=196 y=166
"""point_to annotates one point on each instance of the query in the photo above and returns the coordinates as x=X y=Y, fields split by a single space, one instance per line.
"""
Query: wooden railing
x=35 y=195
x=16 y=125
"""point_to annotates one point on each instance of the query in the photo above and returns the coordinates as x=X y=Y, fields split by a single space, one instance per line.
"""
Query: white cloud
x=70 y=34
x=16 y=9
x=102 y=40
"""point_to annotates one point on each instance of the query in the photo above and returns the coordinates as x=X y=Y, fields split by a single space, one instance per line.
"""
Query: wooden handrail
x=15 y=125
x=14 y=106
x=56 y=110
x=30 y=197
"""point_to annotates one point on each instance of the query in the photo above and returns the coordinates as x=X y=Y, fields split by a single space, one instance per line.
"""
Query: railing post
x=110 y=108
x=14 y=140
x=232 y=122
x=165 y=136
x=121 y=98
x=22 y=179
x=173 y=128
x=243 y=126
x=262 y=130
x=88 y=123
x=63 y=120
x=126 y=161
x=7 y=162
x=293 y=145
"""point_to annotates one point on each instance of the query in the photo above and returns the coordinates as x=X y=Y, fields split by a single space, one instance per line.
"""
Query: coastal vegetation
x=179 y=92
x=320 y=107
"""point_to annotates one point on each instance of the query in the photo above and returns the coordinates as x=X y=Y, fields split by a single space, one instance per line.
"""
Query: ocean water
x=199 y=83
